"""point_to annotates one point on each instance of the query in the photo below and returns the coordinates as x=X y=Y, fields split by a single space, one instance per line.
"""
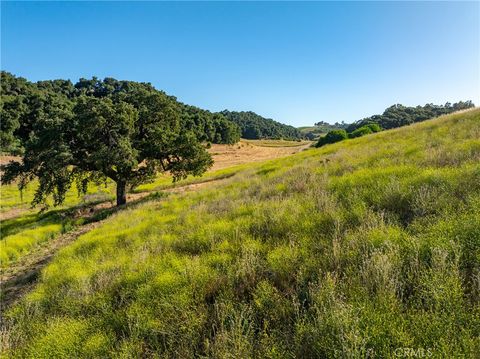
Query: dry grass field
x=247 y=151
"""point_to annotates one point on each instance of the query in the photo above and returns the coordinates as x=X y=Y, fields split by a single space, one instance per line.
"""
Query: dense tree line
x=392 y=117
x=208 y=126
x=21 y=104
x=18 y=100
x=254 y=126
x=400 y=115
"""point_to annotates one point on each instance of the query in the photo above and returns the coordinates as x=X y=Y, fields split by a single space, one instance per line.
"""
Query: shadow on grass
x=15 y=286
x=68 y=217
x=23 y=222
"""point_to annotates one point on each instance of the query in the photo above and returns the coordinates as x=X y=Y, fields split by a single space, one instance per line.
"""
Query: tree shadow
x=15 y=286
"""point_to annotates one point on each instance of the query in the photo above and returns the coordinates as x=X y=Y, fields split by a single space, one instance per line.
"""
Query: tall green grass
x=164 y=181
x=356 y=249
x=21 y=235
x=29 y=228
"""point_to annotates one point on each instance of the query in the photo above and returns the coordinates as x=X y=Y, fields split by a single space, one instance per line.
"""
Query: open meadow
x=353 y=249
x=28 y=237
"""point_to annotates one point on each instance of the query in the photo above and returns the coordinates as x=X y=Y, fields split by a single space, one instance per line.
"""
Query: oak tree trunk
x=121 y=193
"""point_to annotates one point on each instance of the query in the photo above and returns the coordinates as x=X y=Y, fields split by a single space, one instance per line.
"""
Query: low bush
x=365 y=130
x=362 y=131
x=332 y=137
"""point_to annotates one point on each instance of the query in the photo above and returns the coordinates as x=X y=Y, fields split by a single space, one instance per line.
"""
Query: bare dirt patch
x=12 y=213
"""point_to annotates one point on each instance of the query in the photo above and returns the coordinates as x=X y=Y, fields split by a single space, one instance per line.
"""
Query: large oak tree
x=122 y=130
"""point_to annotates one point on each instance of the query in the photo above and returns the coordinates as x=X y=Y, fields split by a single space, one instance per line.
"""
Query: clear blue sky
x=295 y=62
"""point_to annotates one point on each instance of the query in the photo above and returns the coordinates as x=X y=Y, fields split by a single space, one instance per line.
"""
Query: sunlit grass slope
x=354 y=249
x=24 y=232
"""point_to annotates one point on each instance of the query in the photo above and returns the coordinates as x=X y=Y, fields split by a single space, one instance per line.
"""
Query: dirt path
x=21 y=277
x=12 y=213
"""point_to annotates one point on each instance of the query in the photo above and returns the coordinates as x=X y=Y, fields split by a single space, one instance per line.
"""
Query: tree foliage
x=254 y=126
x=400 y=115
x=208 y=126
x=122 y=130
x=392 y=117
x=21 y=101
x=17 y=101
x=365 y=130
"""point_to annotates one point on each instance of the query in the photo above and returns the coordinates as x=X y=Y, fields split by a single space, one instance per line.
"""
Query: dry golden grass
x=247 y=151
x=4 y=159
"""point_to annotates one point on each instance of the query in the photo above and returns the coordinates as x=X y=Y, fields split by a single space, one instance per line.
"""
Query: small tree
x=375 y=127
x=332 y=137
x=359 y=132
x=125 y=131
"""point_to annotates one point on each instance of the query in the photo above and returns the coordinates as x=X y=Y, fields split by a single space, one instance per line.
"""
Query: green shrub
x=365 y=130
x=332 y=137
x=375 y=127
x=359 y=132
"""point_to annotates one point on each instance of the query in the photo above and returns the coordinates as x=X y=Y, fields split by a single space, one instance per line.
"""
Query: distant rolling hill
x=320 y=128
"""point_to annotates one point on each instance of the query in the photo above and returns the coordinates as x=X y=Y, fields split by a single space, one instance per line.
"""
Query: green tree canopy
x=208 y=126
x=365 y=130
x=14 y=101
x=21 y=104
x=122 y=130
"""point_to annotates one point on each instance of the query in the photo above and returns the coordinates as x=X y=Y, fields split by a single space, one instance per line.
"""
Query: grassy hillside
x=24 y=230
x=353 y=249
